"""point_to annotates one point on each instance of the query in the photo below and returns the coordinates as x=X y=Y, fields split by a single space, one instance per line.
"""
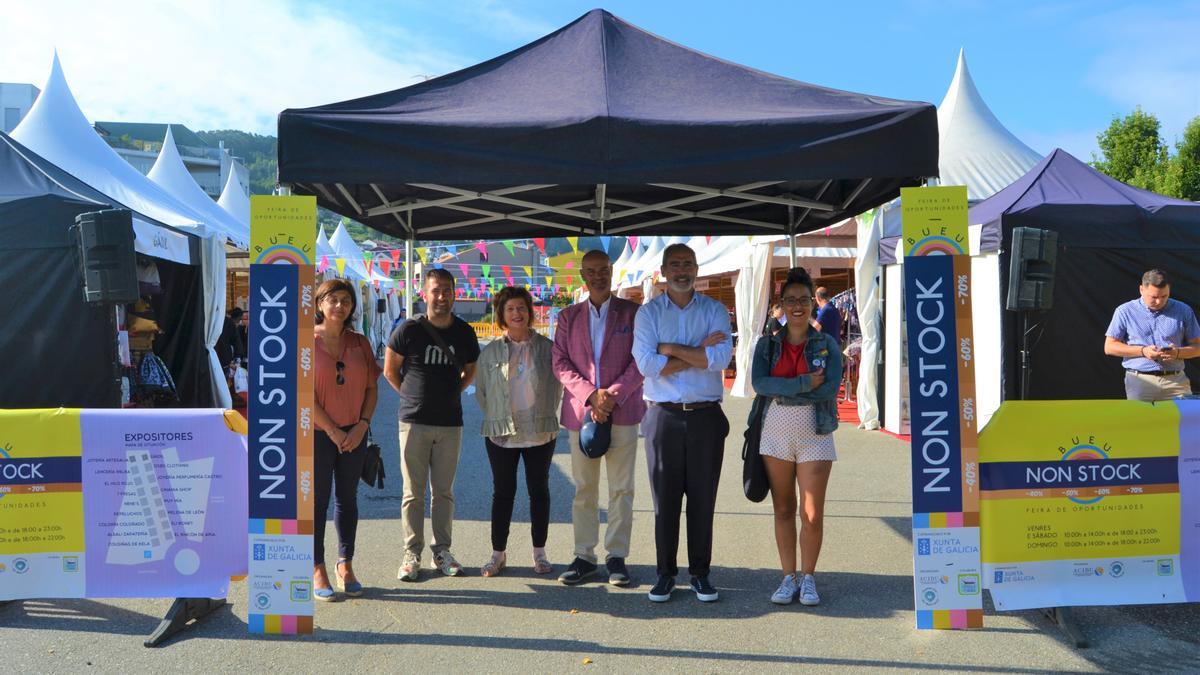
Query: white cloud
x=208 y=65
x=1151 y=61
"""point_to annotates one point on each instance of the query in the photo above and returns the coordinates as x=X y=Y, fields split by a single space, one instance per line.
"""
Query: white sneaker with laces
x=446 y=564
x=786 y=593
x=808 y=592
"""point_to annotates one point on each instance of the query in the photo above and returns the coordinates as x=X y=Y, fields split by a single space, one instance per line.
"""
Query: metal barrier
x=486 y=330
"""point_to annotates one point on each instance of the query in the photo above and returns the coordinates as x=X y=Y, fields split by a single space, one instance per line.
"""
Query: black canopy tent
x=65 y=346
x=1109 y=234
x=603 y=128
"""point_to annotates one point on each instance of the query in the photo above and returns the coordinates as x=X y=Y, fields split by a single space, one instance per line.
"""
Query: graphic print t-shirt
x=430 y=391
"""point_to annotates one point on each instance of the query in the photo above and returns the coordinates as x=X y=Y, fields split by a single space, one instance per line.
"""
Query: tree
x=1185 y=166
x=1132 y=151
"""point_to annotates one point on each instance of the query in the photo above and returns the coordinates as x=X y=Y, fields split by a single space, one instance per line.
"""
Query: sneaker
x=787 y=591
x=704 y=590
x=446 y=564
x=577 y=571
x=662 y=590
x=808 y=592
x=618 y=574
x=410 y=569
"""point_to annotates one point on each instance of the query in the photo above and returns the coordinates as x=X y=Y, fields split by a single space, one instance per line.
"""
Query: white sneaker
x=410 y=568
x=786 y=593
x=808 y=591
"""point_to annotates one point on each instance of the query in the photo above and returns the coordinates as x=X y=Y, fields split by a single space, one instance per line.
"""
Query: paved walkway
x=521 y=622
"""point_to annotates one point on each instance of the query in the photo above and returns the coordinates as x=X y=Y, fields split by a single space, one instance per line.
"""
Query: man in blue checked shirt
x=1153 y=335
x=681 y=343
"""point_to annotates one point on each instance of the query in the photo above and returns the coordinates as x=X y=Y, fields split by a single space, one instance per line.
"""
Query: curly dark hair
x=511 y=293
x=797 y=275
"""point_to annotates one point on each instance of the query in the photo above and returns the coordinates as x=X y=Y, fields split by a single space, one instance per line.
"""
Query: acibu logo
x=260 y=551
x=923 y=546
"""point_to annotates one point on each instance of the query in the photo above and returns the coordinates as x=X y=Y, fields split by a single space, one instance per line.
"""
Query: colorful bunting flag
x=324 y=264
x=341 y=266
x=396 y=257
x=507 y=272
x=540 y=242
x=487 y=270
x=386 y=265
x=633 y=242
x=482 y=248
x=574 y=242
x=463 y=268
x=528 y=271
x=604 y=242
x=508 y=244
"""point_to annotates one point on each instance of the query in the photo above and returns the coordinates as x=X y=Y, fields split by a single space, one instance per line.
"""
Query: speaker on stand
x=109 y=268
x=1030 y=285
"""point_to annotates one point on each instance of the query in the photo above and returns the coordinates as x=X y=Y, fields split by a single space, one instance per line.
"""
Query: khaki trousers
x=1156 y=387
x=585 y=471
x=428 y=456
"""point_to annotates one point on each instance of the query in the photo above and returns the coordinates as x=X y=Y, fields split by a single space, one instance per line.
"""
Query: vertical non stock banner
x=945 y=448
x=282 y=242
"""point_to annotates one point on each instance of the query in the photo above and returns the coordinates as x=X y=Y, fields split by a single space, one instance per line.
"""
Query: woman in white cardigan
x=519 y=396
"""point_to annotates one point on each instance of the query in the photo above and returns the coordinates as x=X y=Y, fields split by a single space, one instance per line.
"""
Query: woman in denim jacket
x=800 y=369
x=519 y=395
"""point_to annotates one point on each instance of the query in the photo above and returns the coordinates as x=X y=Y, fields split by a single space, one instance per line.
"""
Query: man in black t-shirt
x=430 y=383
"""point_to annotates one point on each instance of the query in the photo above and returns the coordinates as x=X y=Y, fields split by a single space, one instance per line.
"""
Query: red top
x=791 y=362
x=343 y=402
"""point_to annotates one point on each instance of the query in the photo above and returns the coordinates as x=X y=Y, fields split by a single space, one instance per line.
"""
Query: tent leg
x=181 y=614
x=791 y=238
x=1065 y=620
x=409 y=286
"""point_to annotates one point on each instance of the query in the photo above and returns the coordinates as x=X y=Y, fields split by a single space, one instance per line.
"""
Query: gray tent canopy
x=603 y=128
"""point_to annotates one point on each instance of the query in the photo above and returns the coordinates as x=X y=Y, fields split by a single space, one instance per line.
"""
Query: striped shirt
x=1134 y=324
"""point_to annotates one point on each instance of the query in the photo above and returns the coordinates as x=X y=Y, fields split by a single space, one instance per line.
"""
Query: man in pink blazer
x=593 y=357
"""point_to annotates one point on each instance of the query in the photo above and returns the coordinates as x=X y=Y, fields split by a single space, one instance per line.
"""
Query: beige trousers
x=1156 y=387
x=620 y=460
x=428 y=456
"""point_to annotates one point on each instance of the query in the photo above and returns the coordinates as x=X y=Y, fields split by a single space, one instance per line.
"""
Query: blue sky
x=1055 y=73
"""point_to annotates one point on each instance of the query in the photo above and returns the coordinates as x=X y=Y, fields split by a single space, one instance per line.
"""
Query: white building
x=15 y=101
x=139 y=144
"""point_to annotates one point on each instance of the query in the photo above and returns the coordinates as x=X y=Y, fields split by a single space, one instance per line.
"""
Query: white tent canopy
x=974 y=148
x=171 y=175
x=234 y=199
x=56 y=129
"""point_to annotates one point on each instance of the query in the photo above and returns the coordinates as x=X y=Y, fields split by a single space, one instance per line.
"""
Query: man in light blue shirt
x=681 y=343
x=1153 y=335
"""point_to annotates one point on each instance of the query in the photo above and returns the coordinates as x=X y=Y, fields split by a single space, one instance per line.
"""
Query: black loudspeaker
x=381 y=305
x=107 y=257
x=1031 y=269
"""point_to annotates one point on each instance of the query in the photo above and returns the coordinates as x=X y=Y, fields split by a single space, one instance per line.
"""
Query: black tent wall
x=1093 y=276
x=58 y=347
x=180 y=314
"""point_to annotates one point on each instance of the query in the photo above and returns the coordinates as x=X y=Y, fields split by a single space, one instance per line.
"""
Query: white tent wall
x=868 y=297
x=986 y=316
x=170 y=174
x=752 y=293
x=212 y=261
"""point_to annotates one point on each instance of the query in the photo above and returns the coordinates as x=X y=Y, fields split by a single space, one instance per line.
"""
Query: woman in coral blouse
x=346 y=394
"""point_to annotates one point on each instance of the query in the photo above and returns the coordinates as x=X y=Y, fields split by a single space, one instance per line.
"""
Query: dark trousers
x=684 y=452
x=504 y=489
x=339 y=473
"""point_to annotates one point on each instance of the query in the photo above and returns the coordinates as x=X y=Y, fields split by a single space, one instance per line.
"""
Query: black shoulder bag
x=754 y=472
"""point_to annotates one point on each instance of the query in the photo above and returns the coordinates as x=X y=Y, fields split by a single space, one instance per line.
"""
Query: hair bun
x=798 y=275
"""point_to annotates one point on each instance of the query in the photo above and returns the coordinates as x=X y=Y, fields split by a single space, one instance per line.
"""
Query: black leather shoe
x=577 y=571
x=704 y=590
x=662 y=590
x=618 y=574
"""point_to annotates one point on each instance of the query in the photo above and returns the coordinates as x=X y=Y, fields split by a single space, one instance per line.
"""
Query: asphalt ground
x=523 y=622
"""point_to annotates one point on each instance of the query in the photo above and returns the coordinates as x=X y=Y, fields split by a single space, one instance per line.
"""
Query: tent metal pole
x=409 y=285
x=791 y=237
